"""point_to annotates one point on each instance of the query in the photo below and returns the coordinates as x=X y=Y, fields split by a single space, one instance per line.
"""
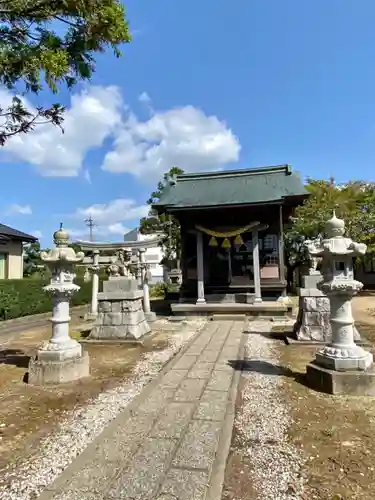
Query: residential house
x=153 y=256
x=11 y=251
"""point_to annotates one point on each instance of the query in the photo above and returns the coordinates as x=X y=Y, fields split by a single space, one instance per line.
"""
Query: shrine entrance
x=241 y=264
x=230 y=267
x=228 y=257
x=232 y=264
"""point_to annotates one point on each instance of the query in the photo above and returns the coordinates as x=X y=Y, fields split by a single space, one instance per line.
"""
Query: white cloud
x=92 y=117
x=183 y=136
x=114 y=211
x=102 y=233
x=117 y=228
x=109 y=218
x=18 y=209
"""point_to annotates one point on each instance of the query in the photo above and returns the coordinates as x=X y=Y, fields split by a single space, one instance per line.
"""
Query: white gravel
x=82 y=426
x=263 y=421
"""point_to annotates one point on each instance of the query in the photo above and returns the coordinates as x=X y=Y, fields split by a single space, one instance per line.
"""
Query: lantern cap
x=335 y=227
x=61 y=237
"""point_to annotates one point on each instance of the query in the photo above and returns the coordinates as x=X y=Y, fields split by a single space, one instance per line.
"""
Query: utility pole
x=90 y=224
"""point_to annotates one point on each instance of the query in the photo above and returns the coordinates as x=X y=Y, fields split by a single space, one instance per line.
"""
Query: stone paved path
x=173 y=442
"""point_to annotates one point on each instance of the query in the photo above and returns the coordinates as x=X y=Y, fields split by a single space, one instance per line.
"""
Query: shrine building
x=232 y=222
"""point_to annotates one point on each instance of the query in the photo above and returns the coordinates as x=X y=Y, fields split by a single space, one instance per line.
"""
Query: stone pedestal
x=313 y=316
x=310 y=281
x=121 y=314
x=353 y=383
x=150 y=316
x=313 y=320
x=45 y=371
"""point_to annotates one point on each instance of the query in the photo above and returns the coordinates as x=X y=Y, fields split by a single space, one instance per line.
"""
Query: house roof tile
x=231 y=187
x=7 y=232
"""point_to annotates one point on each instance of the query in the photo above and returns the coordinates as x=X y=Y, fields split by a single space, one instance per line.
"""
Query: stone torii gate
x=98 y=261
x=94 y=263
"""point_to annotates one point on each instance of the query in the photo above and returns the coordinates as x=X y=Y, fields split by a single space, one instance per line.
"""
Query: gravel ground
x=262 y=423
x=82 y=426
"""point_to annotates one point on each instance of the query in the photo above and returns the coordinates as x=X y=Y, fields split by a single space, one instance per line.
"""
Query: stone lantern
x=61 y=359
x=341 y=366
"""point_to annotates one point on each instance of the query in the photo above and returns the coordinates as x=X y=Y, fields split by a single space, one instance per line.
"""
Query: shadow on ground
x=280 y=332
x=267 y=368
x=14 y=357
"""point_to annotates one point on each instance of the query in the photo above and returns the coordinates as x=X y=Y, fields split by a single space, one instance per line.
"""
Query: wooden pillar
x=200 y=269
x=256 y=267
x=281 y=248
x=229 y=265
x=183 y=243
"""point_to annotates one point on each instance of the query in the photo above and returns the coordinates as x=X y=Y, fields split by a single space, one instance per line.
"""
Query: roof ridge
x=15 y=233
x=232 y=187
x=286 y=168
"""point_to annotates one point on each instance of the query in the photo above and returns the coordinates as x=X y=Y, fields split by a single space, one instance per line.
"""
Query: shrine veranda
x=232 y=249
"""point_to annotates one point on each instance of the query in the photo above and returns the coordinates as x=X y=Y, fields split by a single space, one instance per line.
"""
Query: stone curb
x=112 y=342
x=292 y=341
x=218 y=470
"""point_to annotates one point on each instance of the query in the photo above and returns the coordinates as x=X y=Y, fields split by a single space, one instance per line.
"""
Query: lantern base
x=48 y=372
x=353 y=383
x=361 y=362
x=53 y=351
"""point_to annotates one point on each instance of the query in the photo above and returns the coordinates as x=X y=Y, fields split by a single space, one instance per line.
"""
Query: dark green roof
x=231 y=187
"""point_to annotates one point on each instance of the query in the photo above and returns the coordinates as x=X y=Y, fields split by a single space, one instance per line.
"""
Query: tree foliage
x=31 y=258
x=77 y=248
x=163 y=224
x=354 y=202
x=52 y=43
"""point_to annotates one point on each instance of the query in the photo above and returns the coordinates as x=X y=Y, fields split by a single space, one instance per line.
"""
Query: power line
x=90 y=224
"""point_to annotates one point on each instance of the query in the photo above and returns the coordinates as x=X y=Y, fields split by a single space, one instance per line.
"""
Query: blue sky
x=204 y=85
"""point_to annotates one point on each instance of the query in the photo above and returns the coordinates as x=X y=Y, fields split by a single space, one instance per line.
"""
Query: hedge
x=24 y=297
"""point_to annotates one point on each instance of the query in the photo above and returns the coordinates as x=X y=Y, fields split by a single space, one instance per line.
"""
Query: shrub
x=157 y=290
x=25 y=297
x=165 y=290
